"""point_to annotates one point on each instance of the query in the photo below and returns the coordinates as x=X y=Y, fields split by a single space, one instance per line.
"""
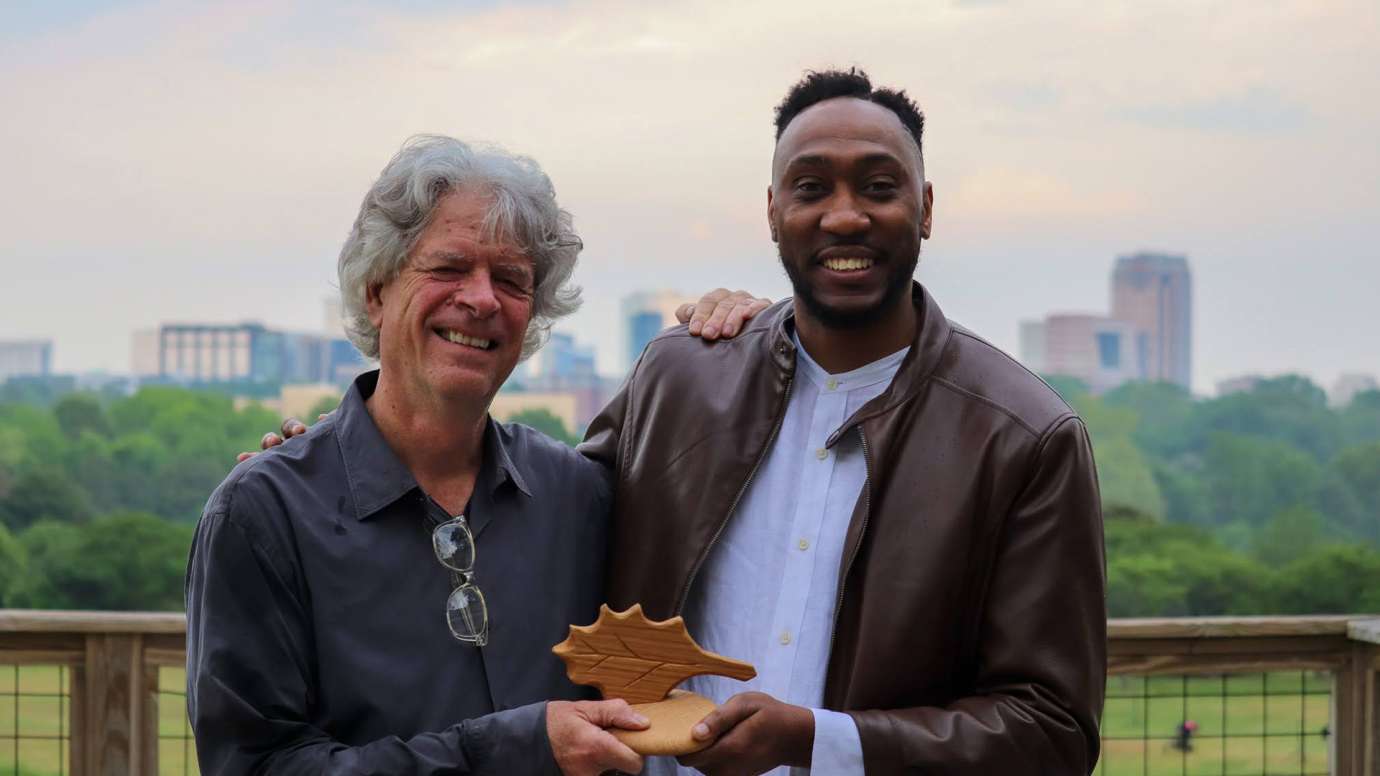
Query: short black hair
x=820 y=85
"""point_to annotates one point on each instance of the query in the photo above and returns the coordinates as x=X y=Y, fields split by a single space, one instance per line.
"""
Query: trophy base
x=671 y=721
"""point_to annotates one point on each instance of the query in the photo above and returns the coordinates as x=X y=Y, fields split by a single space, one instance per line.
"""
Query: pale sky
x=167 y=161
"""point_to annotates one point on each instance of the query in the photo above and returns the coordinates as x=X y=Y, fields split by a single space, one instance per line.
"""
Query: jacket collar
x=926 y=351
x=377 y=477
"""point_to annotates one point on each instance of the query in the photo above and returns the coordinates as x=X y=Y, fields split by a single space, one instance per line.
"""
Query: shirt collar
x=374 y=473
x=881 y=370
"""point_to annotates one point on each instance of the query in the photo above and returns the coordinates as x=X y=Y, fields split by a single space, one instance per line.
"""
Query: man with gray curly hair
x=340 y=616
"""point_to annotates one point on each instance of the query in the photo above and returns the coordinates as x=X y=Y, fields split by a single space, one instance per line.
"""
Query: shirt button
x=831 y=384
x=785 y=638
x=822 y=453
x=803 y=544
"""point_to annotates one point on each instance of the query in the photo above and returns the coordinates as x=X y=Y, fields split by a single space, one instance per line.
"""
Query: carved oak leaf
x=628 y=656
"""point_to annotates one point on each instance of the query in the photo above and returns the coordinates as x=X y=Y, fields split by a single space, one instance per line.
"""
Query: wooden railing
x=114 y=661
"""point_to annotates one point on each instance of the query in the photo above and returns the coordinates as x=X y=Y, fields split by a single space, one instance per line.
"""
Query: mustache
x=846 y=246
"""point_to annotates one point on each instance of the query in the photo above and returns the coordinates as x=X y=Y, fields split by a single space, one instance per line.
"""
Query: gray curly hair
x=399 y=205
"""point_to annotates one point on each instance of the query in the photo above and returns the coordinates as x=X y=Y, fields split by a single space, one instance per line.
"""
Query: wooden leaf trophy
x=627 y=656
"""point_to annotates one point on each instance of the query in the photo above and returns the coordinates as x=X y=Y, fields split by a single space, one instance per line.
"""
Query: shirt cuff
x=837 y=749
x=511 y=741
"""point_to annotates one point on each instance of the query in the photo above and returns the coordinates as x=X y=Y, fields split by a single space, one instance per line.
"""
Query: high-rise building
x=561 y=359
x=1098 y=350
x=1032 y=344
x=25 y=358
x=243 y=353
x=1154 y=293
x=567 y=368
x=144 y=359
x=645 y=315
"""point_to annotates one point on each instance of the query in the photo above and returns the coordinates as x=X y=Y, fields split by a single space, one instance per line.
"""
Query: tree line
x=1260 y=502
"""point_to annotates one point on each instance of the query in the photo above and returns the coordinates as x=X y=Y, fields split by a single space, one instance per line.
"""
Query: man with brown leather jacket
x=896 y=522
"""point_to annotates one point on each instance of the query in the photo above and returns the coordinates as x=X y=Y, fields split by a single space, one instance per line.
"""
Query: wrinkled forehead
x=845 y=125
x=477 y=219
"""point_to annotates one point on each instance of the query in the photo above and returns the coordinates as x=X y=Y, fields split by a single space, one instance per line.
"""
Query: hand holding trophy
x=627 y=656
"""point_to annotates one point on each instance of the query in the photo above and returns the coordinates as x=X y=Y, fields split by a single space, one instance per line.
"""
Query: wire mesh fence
x=1261 y=724
x=176 y=749
x=35 y=724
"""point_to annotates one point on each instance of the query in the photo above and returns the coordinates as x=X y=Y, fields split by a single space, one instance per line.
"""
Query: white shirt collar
x=883 y=369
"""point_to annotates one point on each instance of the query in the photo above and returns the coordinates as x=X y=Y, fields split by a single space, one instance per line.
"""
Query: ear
x=771 y=216
x=373 y=303
x=928 y=219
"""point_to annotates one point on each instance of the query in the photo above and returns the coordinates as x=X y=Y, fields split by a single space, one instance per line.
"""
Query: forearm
x=1021 y=732
x=505 y=742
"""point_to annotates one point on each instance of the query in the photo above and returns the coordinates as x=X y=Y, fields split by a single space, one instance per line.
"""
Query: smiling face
x=451 y=323
x=848 y=208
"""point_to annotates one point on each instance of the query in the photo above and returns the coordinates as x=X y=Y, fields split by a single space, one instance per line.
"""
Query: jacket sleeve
x=604 y=439
x=1042 y=655
x=250 y=685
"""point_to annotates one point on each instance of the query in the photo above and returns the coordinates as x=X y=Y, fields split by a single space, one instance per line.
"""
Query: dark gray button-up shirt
x=316 y=631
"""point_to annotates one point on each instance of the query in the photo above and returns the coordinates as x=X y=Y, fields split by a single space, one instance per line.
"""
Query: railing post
x=114 y=704
x=1365 y=703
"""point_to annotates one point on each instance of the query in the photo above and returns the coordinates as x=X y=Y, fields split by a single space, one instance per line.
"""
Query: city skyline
x=204 y=163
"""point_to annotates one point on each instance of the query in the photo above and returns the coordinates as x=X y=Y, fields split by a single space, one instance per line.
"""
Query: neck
x=840 y=350
x=441 y=442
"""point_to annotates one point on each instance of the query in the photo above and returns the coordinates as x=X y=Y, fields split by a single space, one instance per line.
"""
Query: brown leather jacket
x=970 y=630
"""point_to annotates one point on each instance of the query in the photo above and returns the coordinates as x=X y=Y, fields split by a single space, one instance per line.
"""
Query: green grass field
x=1255 y=729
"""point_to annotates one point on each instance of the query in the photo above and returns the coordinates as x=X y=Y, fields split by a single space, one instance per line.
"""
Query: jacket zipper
x=862 y=529
x=761 y=456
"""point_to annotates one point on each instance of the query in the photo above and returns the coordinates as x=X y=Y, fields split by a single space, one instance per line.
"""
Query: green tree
x=1292 y=533
x=43 y=494
x=80 y=413
x=1184 y=489
x=1357 y=470
x=1288 y=409
x=1164 y=414
x=124 y=561
x=1252 y=479
x=1165 y=569
x=1332 y=579
x=547 y=422
x=1125 y=478
x=1360 y=419
x=12 y=564
x=1123 y=473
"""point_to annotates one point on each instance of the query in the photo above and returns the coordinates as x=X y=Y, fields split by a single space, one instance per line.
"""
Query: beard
x=898 y=283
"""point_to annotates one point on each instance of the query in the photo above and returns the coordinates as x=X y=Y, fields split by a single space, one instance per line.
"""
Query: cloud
x=1257 y=110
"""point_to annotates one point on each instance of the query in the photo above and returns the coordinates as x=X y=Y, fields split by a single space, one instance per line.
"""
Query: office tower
x=144 y=350
x=645 y=315
x=1032 y=344
x=561 y=359
x=1154 y=293
x=25 y=358
x=201 y=353
x=1093 y=348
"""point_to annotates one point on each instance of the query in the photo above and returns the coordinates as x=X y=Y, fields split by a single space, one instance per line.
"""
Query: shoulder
x=978 y=370
x=549 y=464
x=676 y=353
x=255 y=494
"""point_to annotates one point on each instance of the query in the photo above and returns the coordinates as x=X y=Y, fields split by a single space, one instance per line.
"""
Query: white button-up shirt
x=767 y=591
